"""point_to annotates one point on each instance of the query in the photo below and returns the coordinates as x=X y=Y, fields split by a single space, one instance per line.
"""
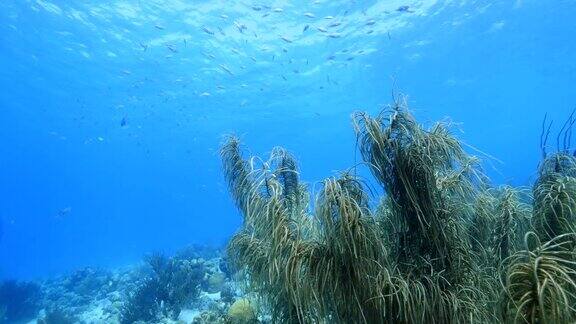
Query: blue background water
x=78 y=188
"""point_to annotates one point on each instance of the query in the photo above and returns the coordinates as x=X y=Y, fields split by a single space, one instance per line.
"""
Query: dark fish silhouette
x=404 y=9
x=207 y=31
x=124 y=122
x=63 y=212
x=172 y=49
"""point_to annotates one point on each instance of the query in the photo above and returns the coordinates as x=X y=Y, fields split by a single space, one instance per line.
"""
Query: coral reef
x=57 y=315
x=241 y=312
x=215 y=282
x=19 y=301
x=173 y=283
x=441 y=245
x=165 y=290
x=435 y=249
x=209 y=317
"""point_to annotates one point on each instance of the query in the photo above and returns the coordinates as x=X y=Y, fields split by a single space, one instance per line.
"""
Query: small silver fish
x=322 y=30
x=240 y=27
x=225 y=68
x=404 y=9
x=64 y=211
x=171 y=48
x=287 y=40
x=310 y=15
x=207 y=31
x=208 y=55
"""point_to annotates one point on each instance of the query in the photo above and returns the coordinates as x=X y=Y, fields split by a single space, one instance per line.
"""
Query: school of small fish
x=250 y=52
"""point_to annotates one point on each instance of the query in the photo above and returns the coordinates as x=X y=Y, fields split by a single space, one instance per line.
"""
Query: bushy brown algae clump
x=540 y=281
x=435 y=249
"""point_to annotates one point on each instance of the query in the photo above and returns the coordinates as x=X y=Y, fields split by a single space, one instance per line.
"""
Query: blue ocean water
x=112 y=112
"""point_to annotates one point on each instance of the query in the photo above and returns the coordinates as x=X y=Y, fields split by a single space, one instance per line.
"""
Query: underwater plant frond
x=237 y=172
x=564 y=136
x=429 y=253
x=555 y=189
x=558 y=164
x=277 y=236
x=245 y=250
x=481 y=228
x=541 y=281
x=286 y=171
x=512 y=219
x=501 y=218
x=354 y=250
x=545 y=132
x=555 y=206
x=429 y=180
x=432 y=186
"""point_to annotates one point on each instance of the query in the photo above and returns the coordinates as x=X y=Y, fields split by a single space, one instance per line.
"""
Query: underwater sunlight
x=276 y=161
